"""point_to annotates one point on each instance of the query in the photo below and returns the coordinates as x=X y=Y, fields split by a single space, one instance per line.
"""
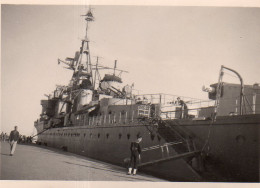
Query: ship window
x=115 y=118
x=128 y=136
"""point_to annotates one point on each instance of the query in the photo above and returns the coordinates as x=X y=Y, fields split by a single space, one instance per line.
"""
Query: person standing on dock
x=184 y=109
x=14 y=137
x=135 y=153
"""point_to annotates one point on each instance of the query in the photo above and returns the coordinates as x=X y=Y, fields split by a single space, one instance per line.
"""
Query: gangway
x=166 y=155
x=174 y=157
x=179 y=144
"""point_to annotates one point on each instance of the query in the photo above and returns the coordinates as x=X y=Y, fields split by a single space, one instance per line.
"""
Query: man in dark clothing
x=184 y=109
x=135 y=152
x=14 y=137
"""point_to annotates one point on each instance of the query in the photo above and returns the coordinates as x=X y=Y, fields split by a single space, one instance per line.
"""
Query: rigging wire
x=230 y=74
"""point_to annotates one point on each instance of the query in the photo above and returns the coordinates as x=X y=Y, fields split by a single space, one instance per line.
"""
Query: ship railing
x=169 y=103
x=164 y=152
x=180 y=114
x=166 y=146
x=160 y=151
x=227 y=107
x=167 y=100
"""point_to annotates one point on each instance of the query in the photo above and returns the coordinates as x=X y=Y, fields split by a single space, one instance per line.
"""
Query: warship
x=184 y=139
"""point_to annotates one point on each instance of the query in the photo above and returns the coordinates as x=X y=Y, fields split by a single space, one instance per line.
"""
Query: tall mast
x=85 y=47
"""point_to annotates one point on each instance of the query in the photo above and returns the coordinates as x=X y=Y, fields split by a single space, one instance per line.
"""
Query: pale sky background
x=172 y=50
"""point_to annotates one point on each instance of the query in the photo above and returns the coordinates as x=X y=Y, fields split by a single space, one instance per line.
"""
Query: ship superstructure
x=99 y=117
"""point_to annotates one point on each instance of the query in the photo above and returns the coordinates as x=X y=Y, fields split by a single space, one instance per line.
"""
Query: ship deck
x=32 y=162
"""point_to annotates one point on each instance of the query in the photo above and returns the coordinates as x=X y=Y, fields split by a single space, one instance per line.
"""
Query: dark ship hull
x=233 y=141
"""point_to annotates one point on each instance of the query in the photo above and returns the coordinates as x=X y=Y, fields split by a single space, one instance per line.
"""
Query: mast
x=85 y=49
x=96 y=70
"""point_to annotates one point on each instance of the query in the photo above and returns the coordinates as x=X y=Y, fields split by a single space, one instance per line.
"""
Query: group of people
x=3 y=137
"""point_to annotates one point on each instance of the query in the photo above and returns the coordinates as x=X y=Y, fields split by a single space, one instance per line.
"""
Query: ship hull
x=230 y=146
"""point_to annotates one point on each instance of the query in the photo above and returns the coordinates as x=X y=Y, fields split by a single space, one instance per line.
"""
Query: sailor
x=184 y=108
x=14 y=137
x=135 y=153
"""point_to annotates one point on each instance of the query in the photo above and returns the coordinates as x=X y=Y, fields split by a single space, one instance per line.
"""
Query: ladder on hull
x=175 y=157
x=179 y=145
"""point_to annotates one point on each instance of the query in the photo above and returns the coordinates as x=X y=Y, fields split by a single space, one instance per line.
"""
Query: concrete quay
x=33 y=162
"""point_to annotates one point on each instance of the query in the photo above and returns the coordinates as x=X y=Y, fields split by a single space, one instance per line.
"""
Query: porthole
x=152 y=137
x=240 y=139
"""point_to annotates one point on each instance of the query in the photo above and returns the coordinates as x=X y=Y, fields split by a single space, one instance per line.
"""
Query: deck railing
x=198 y=108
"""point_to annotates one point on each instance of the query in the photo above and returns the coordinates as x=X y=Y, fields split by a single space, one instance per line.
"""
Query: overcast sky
x=172 y=50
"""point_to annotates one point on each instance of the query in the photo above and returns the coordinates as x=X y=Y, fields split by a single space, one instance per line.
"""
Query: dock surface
x=33 y=162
